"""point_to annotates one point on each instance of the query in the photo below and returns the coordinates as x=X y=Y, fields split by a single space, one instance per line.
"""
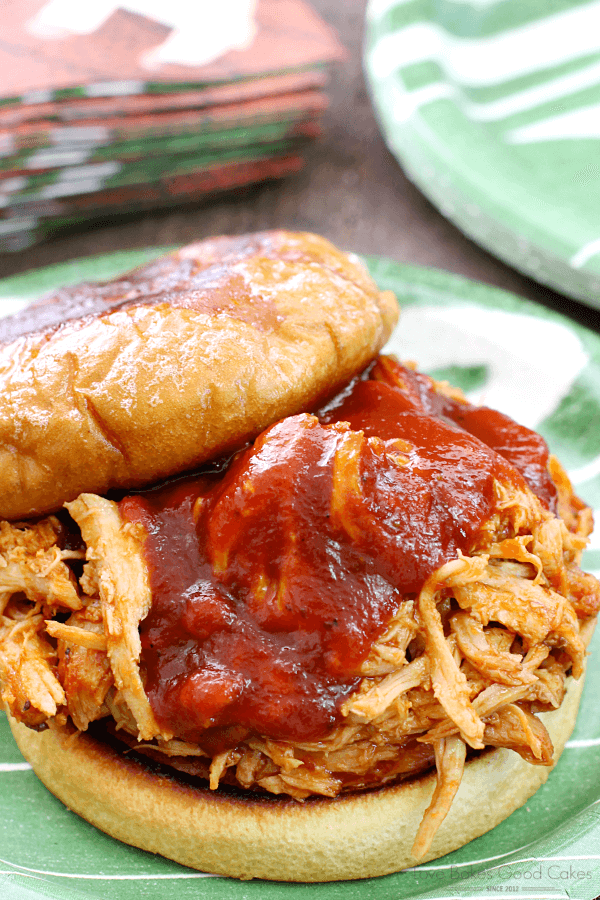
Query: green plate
x=492 y=107
x=531 y=363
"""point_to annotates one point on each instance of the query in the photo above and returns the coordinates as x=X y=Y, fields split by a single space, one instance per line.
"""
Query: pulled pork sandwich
x=345 y=642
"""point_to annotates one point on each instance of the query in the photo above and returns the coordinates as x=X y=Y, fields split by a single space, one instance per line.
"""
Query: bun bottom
x=353 y=836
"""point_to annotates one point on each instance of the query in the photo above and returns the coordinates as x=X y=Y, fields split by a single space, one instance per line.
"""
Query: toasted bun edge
x=353 y=836
x=137 y=394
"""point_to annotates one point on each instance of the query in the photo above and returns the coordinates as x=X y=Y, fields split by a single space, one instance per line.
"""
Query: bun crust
x=353 y=836
x=137 y=379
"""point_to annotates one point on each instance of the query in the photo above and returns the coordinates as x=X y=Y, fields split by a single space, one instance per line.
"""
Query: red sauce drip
x=526 y=450
x=271 y=582
x=523 y=448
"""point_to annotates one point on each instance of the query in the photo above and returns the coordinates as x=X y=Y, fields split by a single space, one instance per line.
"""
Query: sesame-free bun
x=353 y=836
x=120 y=384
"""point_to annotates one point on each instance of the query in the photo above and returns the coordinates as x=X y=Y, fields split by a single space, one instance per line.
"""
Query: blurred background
x=315 y=139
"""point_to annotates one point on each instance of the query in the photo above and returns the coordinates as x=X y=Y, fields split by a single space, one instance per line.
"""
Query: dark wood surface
x=352 y=191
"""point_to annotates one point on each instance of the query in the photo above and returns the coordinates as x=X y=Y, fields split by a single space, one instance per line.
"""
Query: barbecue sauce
x=271 y=581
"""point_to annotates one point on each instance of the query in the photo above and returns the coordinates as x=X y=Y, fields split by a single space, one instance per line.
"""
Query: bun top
x=122 y=383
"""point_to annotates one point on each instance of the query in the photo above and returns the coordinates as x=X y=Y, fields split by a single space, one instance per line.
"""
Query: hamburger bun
x=124 y=383
x=359 y=835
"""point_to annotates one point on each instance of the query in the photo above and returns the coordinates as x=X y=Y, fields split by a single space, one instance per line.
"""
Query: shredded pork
x=465 y=664
x=114 y=552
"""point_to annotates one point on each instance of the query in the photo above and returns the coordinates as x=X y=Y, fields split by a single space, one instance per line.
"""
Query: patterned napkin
x=107 y=108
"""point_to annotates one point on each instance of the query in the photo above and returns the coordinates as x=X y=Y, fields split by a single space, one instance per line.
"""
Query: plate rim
x=535 y=257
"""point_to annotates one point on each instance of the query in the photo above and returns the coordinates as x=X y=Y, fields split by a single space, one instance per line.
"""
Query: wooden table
x=352 y=191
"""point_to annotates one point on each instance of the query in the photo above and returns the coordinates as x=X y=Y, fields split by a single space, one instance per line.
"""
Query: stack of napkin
x=108 y=108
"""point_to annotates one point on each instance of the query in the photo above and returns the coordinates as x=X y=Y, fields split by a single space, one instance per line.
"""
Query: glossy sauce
x=523 y=448
x=272 y=581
